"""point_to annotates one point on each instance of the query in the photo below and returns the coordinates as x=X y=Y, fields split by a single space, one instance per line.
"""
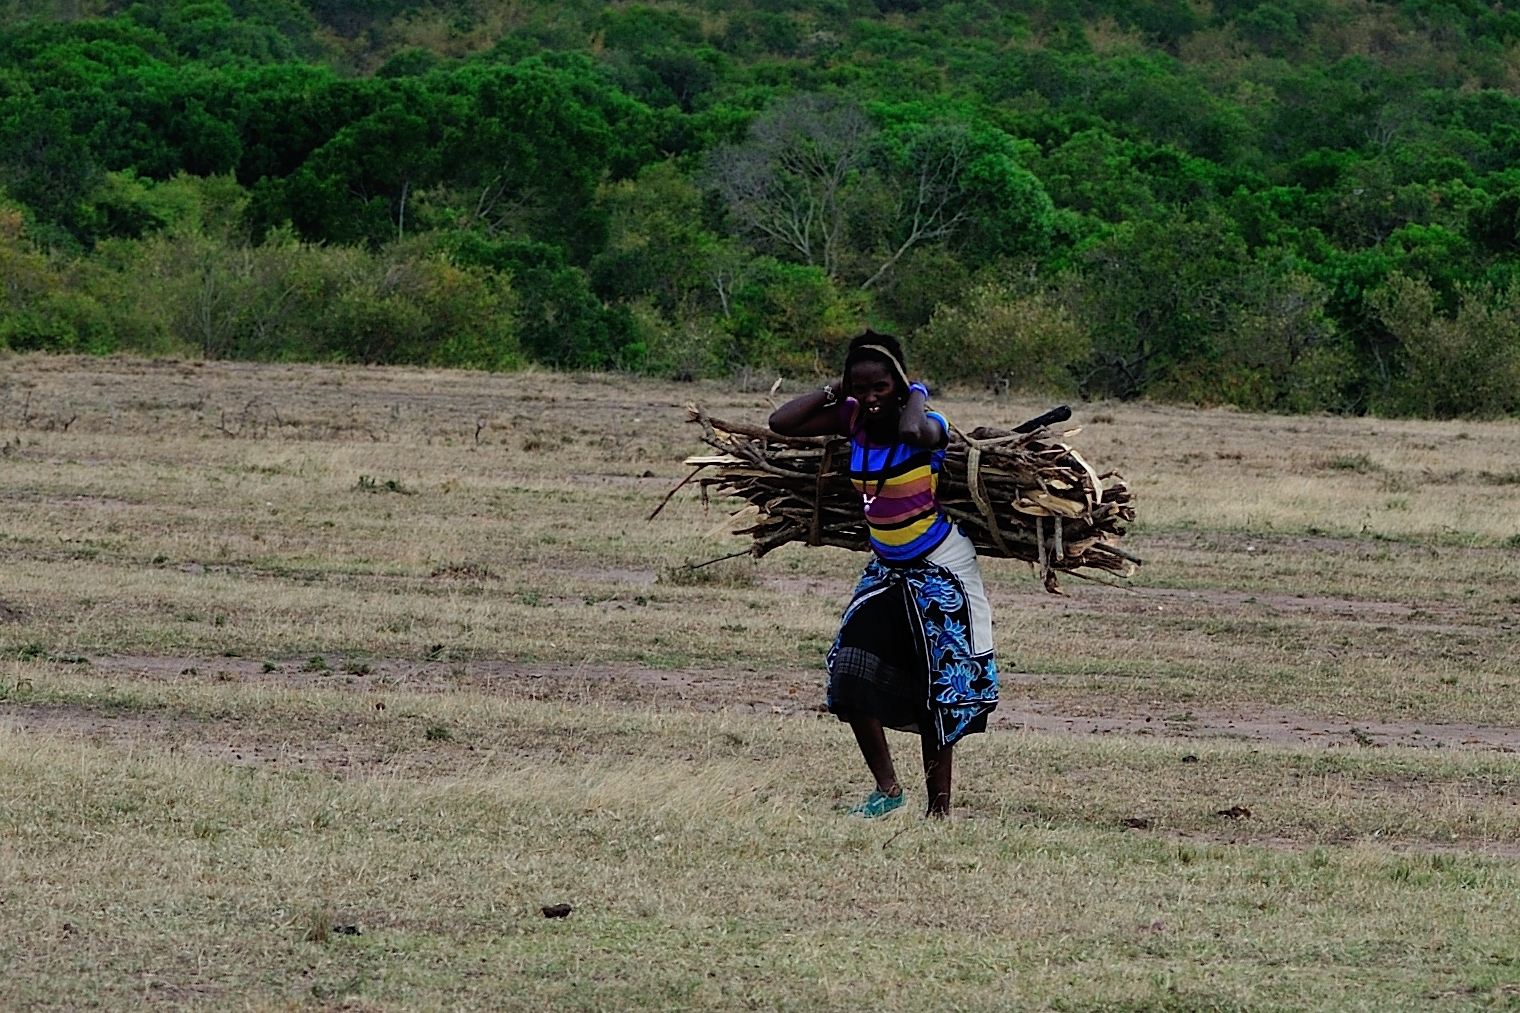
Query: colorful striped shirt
x=898 y=484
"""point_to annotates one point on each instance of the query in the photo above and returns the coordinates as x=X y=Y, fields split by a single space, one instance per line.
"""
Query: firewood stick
x=672 y=492
x=784 y=478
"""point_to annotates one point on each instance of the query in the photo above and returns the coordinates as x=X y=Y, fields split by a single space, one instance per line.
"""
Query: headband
x=901 y=373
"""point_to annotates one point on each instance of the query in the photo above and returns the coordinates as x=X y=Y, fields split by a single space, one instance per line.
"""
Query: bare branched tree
x=929 y=205
x=1390 y=122
x=208 y=310
x=787 y=181
x=725 y=267
x=502 y=206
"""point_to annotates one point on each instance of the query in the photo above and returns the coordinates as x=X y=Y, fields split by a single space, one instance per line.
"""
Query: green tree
x=657 y=244
x=792 y=317
x=560 y=319
x=1281 y=352
x=957 y=184
x=1157 y=295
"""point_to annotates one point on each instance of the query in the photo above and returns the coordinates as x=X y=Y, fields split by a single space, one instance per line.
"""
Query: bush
x=1467 y=365
x=288 y=300
x=923 y=280
x=656 y=244
x=193 y=293
x=998 y=336
x=46 y=303
x=1157 y=296
x=561 y=320
x=681 y=350
x=1278 y=352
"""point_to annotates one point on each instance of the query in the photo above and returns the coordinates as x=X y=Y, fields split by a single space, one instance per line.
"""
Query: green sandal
x=879 y=804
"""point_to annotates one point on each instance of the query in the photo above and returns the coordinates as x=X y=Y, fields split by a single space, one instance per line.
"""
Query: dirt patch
x=1248 y=724
x=389 y=739
x=1137 y=599
x=800 y=691
x=1329 y=612
x=770 y=581
x=293 y=746
x=1466 y=848
x=1319 y=605
x=612 y=575
x=681 y=689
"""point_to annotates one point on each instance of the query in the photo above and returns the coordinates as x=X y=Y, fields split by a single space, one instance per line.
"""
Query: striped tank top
x=898 y=484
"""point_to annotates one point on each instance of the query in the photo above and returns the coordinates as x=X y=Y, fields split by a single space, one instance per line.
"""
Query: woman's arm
x=914 y=425
x=812 y=414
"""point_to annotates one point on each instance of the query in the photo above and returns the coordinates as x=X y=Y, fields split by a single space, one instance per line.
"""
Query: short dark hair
x=892 y=357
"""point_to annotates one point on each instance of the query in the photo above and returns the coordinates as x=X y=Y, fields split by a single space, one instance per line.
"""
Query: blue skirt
x=914 y=649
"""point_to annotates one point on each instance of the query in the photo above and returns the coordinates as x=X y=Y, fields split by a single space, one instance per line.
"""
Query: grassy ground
x=294 y=647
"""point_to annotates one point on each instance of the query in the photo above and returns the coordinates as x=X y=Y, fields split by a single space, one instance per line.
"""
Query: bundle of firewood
x=1017 y=494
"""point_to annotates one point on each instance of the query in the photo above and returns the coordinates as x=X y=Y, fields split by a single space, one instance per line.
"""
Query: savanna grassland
x=289 y=649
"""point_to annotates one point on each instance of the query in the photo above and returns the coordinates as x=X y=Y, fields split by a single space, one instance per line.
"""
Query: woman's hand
x=812 y=414
x=914 y=426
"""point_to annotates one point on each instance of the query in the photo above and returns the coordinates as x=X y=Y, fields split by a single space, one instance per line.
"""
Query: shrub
x=998 y=336
x=923 y=280
x=560 y=320
x=1466 y=365
x=1279 y=352
x=196 y=293
x=679 y=350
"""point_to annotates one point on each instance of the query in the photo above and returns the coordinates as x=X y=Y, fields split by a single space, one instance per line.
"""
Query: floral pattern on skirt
x=961 y=685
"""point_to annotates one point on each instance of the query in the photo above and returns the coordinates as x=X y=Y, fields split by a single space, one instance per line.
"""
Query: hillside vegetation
x=1297 y=205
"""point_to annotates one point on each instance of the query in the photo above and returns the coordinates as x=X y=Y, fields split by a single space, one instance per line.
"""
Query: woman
x=914 y=650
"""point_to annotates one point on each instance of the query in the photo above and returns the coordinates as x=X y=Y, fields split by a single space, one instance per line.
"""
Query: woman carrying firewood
x=914 y=651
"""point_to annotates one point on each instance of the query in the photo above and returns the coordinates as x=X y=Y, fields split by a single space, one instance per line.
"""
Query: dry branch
x=1017 y=495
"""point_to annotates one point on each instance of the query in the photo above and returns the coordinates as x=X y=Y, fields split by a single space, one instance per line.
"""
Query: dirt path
x=801 y=691
x=1331 y=612
x=1253 y=724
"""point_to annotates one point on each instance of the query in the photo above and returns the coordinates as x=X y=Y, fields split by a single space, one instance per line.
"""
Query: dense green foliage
x=1291 y=205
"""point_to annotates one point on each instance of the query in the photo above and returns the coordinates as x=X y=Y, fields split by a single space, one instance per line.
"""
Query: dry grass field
x=288 y=650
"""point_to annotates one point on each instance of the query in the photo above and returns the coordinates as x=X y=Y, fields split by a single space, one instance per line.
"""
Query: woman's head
x=874 y=376
x=874 y=362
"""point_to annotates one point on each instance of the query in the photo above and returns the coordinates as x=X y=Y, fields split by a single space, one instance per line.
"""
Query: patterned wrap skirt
x=915 y=646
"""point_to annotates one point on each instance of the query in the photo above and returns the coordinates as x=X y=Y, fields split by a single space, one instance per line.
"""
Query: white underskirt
x=958 y=555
